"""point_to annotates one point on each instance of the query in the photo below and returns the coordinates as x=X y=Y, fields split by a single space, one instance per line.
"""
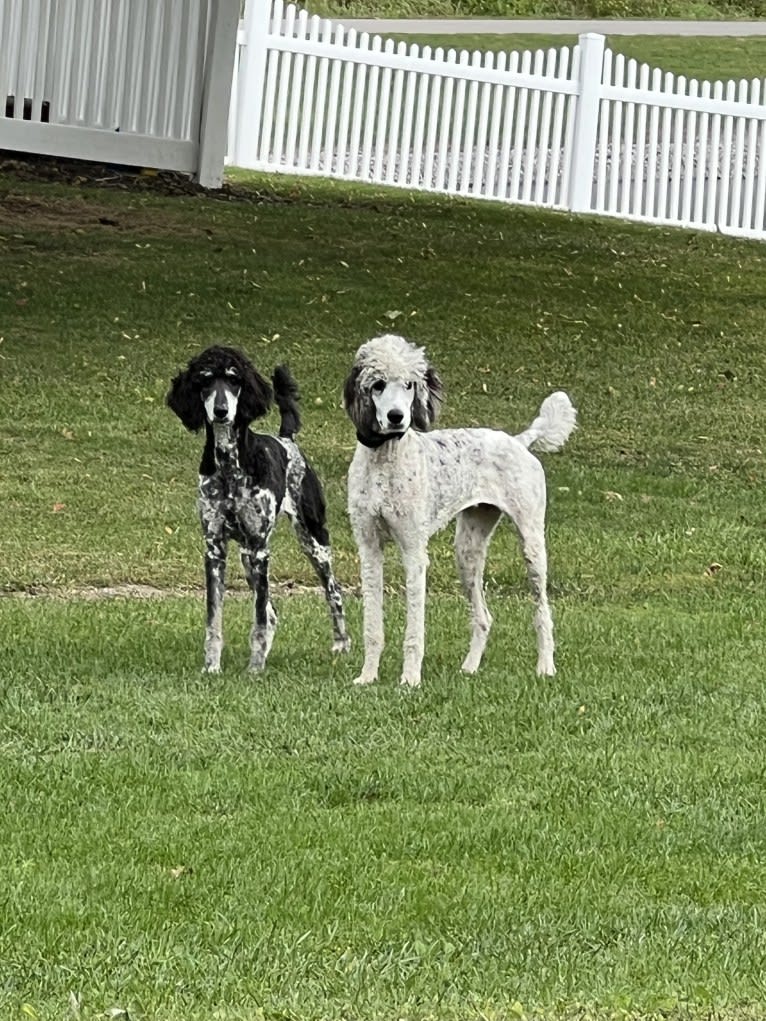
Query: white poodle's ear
x=358 y=405
x=428 y=398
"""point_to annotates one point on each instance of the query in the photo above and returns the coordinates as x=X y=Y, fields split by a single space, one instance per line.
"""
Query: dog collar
x=377 y=439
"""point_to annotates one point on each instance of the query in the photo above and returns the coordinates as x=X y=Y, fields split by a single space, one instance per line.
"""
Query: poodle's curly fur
x=406 y=483
x=246 y=480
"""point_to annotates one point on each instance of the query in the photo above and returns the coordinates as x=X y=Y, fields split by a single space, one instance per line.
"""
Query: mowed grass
x=705 y=58
x=287 y=846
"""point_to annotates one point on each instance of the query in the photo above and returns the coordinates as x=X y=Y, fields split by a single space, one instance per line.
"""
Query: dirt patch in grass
x=23 y=210
x=79 y=173
x=26 y=213
x=130 y=590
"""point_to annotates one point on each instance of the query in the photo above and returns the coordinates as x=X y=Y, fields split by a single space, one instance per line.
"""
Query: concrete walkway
x=504 y=26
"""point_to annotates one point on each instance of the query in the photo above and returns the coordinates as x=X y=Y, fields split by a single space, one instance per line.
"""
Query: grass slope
x=184 y=847
x=702 y=57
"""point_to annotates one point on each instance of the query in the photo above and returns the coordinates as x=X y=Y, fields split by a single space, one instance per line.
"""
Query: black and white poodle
x=406 y=483
x=246 y=480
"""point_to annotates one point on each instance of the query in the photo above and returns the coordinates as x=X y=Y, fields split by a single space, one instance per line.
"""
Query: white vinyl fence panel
x=125 y=80
x=569 y=128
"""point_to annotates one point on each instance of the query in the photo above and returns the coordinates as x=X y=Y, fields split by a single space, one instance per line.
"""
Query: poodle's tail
x=553 y=426
x=287 y=396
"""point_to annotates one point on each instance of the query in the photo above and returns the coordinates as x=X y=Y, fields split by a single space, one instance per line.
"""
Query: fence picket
x=639 y=180
x=752 y=149
x=456 y=142
x=395 y=121
x=382 y=118
x=724 y=191
x=703 y=161
x=407 y=175
x=422 y=82
x=690 y=161
x=445 y=123
x=676 y=151
x=493 y=150
x=735 y=218
x=711 y=218
x=344 y=118
x=308 y=110
x=615 y=139
x=520 y=130
x=317 y=155
x=331 y=123
x=555 y=193
x=355 y=167
x=369 y=119
x=433 y=123
x=628 y=141
x=507 y=132
x=300 y=31
x=467 y=181
x=759 y=223
x=530 y=144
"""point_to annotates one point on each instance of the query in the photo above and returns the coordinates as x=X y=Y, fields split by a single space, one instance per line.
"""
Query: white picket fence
x=569 y=128
x=140 y=82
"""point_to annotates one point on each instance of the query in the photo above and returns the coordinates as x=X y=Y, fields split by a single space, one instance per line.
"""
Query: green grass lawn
x=700 y=57
x=287 y=846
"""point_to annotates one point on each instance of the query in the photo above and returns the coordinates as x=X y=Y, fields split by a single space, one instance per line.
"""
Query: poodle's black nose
x=221 y=412
x=396 y=417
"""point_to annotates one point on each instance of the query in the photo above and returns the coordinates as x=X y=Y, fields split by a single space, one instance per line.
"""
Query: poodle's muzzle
x=392 y=401
x=220 y=397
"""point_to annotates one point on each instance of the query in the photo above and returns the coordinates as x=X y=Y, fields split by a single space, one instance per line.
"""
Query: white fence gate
x=139 y=82
x=579 y=129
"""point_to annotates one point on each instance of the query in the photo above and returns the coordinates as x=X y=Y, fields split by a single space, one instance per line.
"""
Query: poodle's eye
x=409 y=385
x=378 y=386
x=233 y=375
x=206 y=374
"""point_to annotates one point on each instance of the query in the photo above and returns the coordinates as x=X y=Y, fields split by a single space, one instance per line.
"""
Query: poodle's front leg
x=371 y=558
x=264 y=617
x=415 y=560
x=215 y=585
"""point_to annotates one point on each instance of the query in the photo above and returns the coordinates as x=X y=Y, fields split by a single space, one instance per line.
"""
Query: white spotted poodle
x=405 y=483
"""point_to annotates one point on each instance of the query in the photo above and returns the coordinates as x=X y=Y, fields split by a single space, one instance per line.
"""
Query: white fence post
x=217 y=93
x=586 y=122
x=252 y=73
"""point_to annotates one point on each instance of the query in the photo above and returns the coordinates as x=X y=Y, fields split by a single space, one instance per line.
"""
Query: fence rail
x=576 y=128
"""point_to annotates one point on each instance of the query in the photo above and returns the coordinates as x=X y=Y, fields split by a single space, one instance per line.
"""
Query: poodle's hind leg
x=256 y=565
x=535 y=557
x=308 y=521
x=474 y=528
x=215 y=587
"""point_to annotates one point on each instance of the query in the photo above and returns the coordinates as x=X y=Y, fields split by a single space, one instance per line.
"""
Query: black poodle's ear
x=428 y=398
x=184 y=399
x=256 y=394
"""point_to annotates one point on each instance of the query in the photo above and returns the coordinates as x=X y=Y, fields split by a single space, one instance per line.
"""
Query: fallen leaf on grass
x=611 y=496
